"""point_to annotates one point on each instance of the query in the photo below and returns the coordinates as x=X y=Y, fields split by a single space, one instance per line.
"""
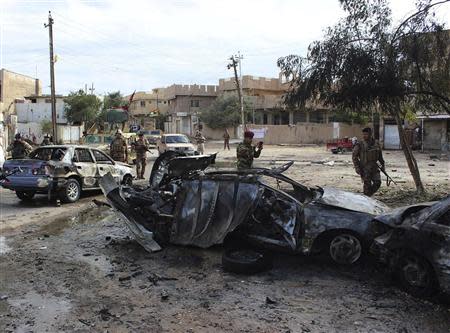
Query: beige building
x=185 y=102
x=13 y=86
x=145 y=106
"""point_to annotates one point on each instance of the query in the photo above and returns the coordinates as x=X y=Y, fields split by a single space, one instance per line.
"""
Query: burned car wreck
x=186 y=204
x=417 y=246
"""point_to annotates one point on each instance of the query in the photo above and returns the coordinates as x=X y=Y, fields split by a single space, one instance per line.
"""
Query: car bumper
x=39 y=184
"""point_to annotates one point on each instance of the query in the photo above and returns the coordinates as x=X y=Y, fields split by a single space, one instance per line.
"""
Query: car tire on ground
x=127 y=180
x=245 y=261
x=345 y=248
x=71 y=192
x=416 y=276
x=25 y=195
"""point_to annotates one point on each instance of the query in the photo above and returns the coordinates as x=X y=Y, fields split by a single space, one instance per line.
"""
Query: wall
x=307 y=133
x=217 y=134
x=175 y=90
x=38 y=112
x=183 y=103
x=66 y=133
x=435 y=134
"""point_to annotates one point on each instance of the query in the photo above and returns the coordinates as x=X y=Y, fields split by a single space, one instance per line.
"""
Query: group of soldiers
x=367 y=158
x=118 y=151
x=367 y=154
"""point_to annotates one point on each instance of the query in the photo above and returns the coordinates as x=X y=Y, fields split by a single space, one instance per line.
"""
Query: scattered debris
x=270 y=301
x=155 y=278
x=164 y=295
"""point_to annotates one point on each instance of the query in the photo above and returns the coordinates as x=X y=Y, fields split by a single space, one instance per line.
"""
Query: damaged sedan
x=188 y=204
x=417 y=248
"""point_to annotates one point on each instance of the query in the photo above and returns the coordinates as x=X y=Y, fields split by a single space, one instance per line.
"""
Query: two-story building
x=13 y=86
x=145 y=106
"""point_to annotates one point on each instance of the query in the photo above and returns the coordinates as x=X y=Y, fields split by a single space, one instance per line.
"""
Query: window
x=83 y=155
x=165 y=102
x=47 y=154
x=101 y=158
x=142 y=104
x=444 y=219
x=195 y=103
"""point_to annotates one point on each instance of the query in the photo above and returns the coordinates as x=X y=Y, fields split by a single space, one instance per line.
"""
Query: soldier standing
x=118 y=148
x=226 y=139
x=366 y=154
x=46 y=141
x=141 y=148
x=246 y=152
x=19 y=148
x=200 y=140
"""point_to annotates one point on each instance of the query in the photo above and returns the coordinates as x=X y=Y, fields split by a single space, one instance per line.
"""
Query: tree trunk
x=410 y=159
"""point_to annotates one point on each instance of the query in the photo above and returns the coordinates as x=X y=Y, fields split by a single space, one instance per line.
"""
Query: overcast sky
x=142 y=44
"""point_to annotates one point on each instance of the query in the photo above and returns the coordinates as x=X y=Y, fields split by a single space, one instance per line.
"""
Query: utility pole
x=91 y=89
x=235 y=61
x=49 y=25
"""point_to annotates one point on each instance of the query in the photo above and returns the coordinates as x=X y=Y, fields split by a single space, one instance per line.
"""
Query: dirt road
x=85 y=274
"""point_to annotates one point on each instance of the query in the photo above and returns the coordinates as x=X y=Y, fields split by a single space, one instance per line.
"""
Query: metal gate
x=391 y=137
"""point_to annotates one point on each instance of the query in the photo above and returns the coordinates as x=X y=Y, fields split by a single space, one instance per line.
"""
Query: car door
x=86 y=167
x=105 y=164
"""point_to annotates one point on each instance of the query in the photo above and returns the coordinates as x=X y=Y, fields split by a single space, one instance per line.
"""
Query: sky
x=138 y=45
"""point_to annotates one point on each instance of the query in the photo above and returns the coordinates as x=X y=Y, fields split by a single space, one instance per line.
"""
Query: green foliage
x=81 y=107
x=365 y=60
x=113 y=100
x=46 y=127
x=224 y=112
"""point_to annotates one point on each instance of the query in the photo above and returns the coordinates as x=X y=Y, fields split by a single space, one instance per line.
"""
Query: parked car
x=175 y=142
x=417 y=246
x=152 y=136
x=187 y=204
x=64 y=171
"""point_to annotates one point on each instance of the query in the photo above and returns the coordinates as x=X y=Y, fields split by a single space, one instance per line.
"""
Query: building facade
x=145 y=107
x=13 y=86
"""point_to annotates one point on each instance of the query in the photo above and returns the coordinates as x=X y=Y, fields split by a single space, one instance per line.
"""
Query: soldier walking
x=226 y=139
x=246 y=152
x=366 y=154
x=141 y=147
x=19 y=148
x=118 y=148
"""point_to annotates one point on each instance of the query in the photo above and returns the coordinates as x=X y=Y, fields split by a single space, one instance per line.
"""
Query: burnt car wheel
x=416 y=276
x=345 y=248
x=245 y=261
x=127 y=180
x=25 y=195
x=71 y=191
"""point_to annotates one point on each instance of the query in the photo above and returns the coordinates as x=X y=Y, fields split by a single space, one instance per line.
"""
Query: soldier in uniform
x=141 y=147
x=366 y=154
x=200 y=140
x=118 y=148
x=46 y=141
x=226 y=140
x=246 y=152
x=19 y=148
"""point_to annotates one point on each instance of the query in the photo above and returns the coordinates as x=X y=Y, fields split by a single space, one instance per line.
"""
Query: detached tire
x=245 y=261
x=71 y=192
x=25 y=195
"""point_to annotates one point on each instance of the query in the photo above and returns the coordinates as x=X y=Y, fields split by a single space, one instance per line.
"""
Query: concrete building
x=33 y=111
x=184 y=103
x=146 y=106
x=13 y=86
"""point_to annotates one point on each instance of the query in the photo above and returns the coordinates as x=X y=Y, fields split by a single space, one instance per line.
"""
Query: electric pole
x=49 y=25
x=236 y=61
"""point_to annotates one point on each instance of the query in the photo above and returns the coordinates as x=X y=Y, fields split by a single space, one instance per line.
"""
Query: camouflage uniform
x=366 y=154
x=245 y=153
x=200 y=140
x=19 y=149
x=141 y=148
x=118 y=150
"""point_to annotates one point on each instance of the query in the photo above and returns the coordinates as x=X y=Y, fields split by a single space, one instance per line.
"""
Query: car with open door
x=62 y=171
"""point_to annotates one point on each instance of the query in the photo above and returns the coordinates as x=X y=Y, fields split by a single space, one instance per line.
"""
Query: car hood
x=352 y=201
x=395 y=217
x=180 y=145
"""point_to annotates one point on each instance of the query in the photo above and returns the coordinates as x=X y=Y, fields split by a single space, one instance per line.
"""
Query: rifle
x=389 y=179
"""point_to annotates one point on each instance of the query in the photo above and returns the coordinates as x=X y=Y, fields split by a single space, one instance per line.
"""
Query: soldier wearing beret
x=246 y=152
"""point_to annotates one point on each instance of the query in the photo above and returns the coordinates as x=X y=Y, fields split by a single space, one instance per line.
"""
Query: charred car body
x=63 y=170
x=187 y=205
x=417 y=248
